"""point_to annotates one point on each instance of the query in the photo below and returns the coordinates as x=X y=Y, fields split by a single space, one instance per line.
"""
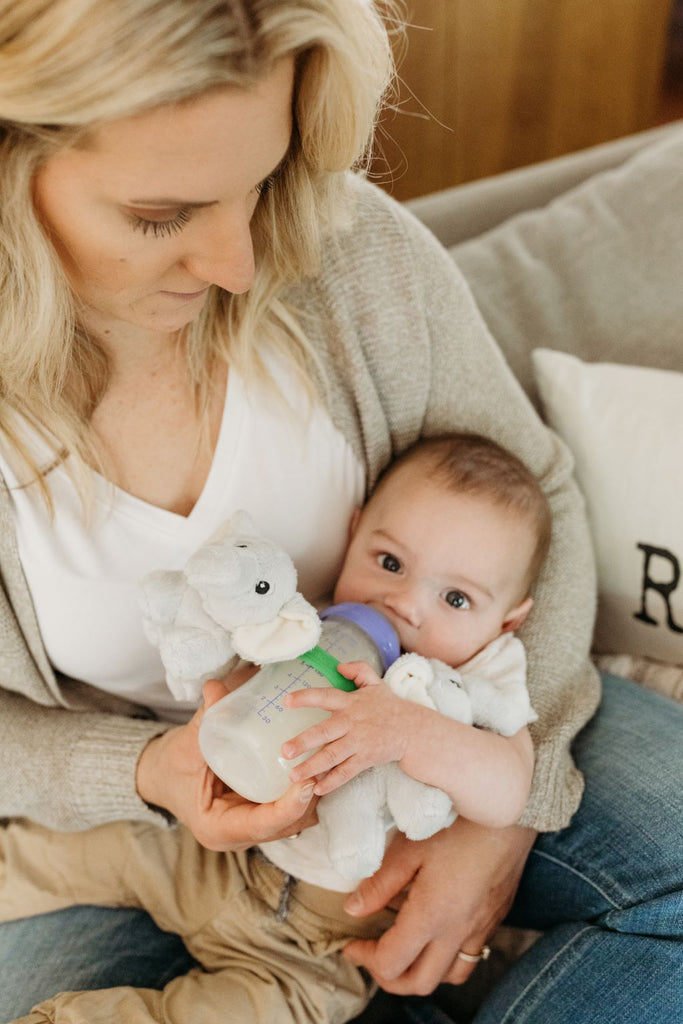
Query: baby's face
x=447 y=570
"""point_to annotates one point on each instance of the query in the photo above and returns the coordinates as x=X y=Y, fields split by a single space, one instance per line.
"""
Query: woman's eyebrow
x=166 y=201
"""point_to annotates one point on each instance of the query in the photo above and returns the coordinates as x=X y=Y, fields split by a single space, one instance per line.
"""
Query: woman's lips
x=187 y=296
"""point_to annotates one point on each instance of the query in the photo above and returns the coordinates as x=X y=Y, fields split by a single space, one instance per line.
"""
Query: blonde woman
x=202 y=309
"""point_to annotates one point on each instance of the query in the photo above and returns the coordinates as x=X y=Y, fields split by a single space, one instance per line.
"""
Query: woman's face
x=157 y=207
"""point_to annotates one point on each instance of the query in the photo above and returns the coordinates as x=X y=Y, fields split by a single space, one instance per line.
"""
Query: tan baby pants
x=257 y=968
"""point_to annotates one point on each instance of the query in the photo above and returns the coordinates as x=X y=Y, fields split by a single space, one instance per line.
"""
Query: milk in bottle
x=241 y=735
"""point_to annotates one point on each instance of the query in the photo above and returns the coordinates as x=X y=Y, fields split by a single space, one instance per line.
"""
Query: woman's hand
x=172 y=774
x=460 y=885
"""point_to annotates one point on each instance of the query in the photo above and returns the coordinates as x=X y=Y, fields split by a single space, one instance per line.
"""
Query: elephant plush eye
x=262 y=587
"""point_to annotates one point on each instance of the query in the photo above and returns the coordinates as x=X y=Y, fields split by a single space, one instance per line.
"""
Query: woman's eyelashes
x=165 y=227
x=266 y=185
x=162 y=228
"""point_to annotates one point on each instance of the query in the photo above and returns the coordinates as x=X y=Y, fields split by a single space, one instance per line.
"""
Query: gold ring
x=474 y=958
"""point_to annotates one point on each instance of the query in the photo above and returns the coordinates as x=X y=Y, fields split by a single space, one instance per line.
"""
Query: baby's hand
x=366 y=727
x=360 y=673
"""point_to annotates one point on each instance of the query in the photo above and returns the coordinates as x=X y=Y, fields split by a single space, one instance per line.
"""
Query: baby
x=447 y=548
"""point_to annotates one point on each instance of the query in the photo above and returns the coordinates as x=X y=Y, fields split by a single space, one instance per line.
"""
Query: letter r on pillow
x=663 y=589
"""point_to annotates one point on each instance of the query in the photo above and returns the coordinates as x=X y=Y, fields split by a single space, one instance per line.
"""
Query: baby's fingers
x=310 y=739
x=325 y=697
x=359 y=672
x=342 y=773
x=333 y=761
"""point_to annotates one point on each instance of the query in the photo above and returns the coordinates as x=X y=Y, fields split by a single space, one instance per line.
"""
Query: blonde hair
x=69 y=66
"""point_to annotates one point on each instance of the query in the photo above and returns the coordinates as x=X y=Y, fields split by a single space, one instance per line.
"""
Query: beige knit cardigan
x=406 y=353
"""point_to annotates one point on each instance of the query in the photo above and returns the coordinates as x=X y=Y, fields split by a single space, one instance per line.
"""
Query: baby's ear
x=354 y=521
x=516 y=616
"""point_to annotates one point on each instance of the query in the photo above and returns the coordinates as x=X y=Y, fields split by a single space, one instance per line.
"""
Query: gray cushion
x=598 y=272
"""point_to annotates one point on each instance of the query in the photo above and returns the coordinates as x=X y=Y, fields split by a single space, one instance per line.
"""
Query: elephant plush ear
x=240 y=524
x=192 y=647
x=294 y=630
x=159 y=597
x=410 y=677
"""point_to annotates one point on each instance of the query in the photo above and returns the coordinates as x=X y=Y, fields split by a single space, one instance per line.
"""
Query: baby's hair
x=469 y=463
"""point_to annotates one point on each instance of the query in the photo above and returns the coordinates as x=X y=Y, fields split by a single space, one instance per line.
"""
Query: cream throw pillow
x=624 y=425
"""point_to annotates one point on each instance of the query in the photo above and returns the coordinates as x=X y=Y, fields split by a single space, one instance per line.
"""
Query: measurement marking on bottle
x=342 y=644
x=273 y=703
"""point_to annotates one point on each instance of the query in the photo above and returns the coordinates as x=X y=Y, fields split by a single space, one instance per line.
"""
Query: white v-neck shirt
x=295 y=474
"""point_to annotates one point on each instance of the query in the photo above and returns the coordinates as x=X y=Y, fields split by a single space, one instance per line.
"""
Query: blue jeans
x=607 y=891
x=84 y=948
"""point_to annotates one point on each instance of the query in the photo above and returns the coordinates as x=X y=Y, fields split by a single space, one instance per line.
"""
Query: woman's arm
x=399 y=314
x=73 y=757
x=424 y=363
x=472 y=387
x=72 y=770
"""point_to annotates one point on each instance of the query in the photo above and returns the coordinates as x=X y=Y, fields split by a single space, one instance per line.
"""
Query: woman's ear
x=516 y=616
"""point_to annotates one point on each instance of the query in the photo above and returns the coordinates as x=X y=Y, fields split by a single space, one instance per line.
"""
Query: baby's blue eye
x=456 y=599
x=389 y=563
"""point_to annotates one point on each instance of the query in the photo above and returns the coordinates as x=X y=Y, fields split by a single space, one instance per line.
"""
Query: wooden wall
x=489 y=85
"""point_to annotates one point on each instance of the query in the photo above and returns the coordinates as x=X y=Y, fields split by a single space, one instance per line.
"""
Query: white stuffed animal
x=489 y=691
x=235 y=597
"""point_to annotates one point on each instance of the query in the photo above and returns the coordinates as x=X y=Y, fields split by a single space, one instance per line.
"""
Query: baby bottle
x=241 y=735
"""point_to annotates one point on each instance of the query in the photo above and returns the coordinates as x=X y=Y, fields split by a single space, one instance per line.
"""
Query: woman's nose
x=224 y=254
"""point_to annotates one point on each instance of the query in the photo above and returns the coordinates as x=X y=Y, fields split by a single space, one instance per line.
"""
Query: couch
x=577 y=267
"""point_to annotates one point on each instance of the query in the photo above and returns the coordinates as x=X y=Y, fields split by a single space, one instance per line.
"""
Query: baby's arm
x=486 y=776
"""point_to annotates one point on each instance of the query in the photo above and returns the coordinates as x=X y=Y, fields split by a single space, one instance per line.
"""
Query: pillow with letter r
x=624 y=425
